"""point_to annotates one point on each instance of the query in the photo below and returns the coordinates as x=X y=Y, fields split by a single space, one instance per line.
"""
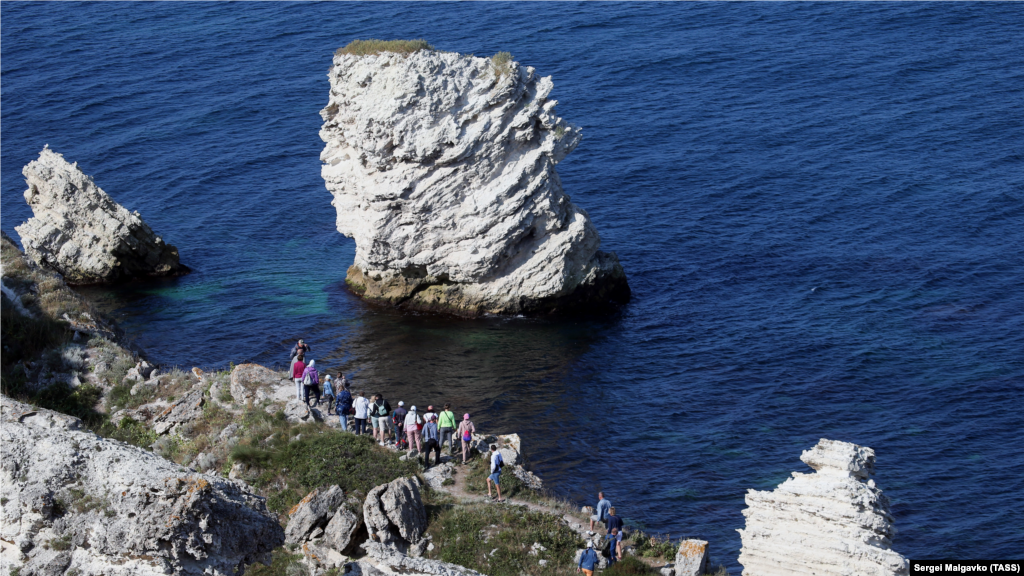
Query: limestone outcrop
x=395 y=516
x=442 y=168
x=82 y=233
x=78 y=503
x=831 y=522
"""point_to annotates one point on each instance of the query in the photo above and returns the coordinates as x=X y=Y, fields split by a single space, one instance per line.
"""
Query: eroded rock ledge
x=832 y=522
x=78 y=503
x=79 y=231
x=442 y=168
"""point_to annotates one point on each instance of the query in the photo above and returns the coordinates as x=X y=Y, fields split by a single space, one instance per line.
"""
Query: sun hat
x=465 y=416
x=590 y=544
x=412 y=409
x=400 y=403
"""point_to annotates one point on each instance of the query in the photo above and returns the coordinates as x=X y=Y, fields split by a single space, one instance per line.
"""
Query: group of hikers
x=402 y=428
x=604 y=514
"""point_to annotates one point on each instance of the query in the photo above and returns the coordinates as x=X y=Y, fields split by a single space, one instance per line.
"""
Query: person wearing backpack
x=398 y=421
x=430 y=438
x=343 y=405
x=329 y=395
x=613 y=547
x=381 y=414
x=588 y=560
x=446 y=428
x=466 y=431
x=311 y=382
x=497 y=463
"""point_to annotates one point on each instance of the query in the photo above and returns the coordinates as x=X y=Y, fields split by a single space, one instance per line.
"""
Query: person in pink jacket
x=465 y=432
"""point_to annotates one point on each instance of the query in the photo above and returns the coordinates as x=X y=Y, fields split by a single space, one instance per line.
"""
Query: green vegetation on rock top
x=367 y=47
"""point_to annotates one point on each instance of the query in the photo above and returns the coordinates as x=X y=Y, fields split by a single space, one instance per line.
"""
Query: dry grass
x=368 y=47
x=501 y=64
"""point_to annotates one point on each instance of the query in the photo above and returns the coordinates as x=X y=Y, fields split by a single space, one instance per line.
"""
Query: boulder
x=298 y=413
x=312 y=512
x=79 y=231
x=526 y=477
x=436 y=475
x=186 y=409
x=691 y=558
x=115 y=509
x=394 y=514
x=382 y=559
x=253 y=383
x=442 y=168
x=832 y=522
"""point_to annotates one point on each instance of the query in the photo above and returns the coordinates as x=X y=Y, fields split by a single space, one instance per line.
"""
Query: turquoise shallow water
x=818 y=206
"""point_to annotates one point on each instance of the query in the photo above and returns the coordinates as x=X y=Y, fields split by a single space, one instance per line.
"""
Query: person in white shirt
x=413 y=421
x=362 y=406
x=496 y=463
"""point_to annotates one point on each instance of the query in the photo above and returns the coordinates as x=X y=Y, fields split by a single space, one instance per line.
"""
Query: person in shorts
x=600 y=511
x=496 y=463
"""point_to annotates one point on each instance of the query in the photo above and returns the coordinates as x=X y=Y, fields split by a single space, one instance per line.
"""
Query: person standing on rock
x=329 y=394
x=430 y=440
x=311 y=382
x=343 y=405
x=298 y=369
x=412 y=428
x=300 y=348
x=398 y=420
x=381 y=414
x=600 y=512
x=342 y=382
x=497 y=462
x=614 y=546
x=362 y=406
x=446 y=428
x=588 y=560
x=466 y=431
x=612 y=521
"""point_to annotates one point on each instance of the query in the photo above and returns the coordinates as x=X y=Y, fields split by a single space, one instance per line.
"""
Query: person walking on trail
x=298 y=369
x=343 y=382
x=613 y=521
x=329 y=394
x=430 y=440
x=613 y=543
x=588 y=560
x=600 y=511
x=412 y=428
x=446 y=428
x=398 y=421
x=380 y=414
x=343 y=405
x=497 y=462
x=311 y=382
x=300 y=348
x=466 y=431
x=362 y=406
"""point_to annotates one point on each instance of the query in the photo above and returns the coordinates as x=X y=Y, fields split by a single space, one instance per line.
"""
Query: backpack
x=307 y=380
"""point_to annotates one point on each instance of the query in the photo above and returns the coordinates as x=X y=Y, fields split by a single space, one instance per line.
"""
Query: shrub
x=283 y=563
x=367 y=47
x=501 y=63
x=629 y=566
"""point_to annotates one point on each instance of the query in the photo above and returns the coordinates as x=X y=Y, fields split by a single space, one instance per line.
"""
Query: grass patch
x=654 y=546
x=285 y=470
x=128 y=430
x=501 y=64
x=368 y=47
x=629 y=566
x=283 y=563
x=468 y=534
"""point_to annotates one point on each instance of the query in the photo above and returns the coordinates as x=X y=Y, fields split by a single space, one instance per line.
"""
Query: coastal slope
x=442 y=168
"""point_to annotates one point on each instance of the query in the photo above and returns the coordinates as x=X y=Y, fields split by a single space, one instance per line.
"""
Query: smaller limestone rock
x=394 y=514
x=79 y=231
x=526 y=477
x=667 y=570
x=436 y=475
x=187 y=409
x=312 y=512
x=691 y=558
x=247 y=380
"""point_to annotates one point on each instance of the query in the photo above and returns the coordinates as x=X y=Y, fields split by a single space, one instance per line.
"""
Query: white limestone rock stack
x=833 y=522
x=442 y=168
x=79 y=231
x=76 y=503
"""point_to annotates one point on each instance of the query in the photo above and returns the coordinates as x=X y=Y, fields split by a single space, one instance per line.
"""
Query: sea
x=819 y=207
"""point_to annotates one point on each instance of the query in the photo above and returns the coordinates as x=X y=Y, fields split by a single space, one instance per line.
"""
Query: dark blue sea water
x=819 y=208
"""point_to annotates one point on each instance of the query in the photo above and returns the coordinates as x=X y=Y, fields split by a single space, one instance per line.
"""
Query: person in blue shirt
x=615 y=549
x=613 y=521
x=343 y=403
x=600 y=512
x=588 y=560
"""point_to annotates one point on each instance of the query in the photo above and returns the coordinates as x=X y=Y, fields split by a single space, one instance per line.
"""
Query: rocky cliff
x=79 y=231
x=832 y=522
x=442 y=168
x=74 y=502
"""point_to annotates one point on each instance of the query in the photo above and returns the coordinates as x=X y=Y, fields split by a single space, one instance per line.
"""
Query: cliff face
x=442 y=168
x=832 y=522
x=76 y=502
x=79 y=231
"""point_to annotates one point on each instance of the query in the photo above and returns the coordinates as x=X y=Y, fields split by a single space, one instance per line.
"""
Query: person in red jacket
x=298 y=368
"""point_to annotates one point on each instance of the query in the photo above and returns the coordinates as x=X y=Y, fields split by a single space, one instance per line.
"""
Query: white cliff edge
x=79 y=231
x=831 y=522
x=442 y=168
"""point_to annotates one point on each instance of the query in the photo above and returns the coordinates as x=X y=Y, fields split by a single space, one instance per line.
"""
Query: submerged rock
x=76 y=503
x=442 y=168
x=832 y=522
x=79 y=231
